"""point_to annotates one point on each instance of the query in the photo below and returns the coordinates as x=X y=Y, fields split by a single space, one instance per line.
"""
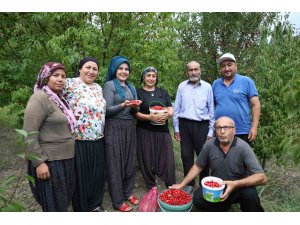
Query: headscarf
x=147 y=70
x=45 y=72
x=111 y=75
x=83 y=61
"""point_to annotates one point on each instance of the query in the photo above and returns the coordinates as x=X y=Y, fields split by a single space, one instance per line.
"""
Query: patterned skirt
x=55 y=193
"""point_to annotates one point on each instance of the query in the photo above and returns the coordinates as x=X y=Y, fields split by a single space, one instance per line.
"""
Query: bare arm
x=253 y=180
x=153 y=117
x=255 y=104
x=194 y=171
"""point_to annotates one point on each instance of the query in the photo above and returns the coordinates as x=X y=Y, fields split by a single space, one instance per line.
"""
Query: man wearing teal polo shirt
x=234 y=95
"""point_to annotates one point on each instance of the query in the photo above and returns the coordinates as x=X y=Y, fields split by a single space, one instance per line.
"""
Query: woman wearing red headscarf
x=50 y=119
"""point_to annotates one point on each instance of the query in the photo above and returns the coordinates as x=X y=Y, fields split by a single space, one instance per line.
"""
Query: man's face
x=228 y=69
x=225 y=130
x=194 y=72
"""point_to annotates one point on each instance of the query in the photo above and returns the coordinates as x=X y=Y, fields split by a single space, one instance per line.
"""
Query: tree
x=31 y=39
x=276 y=73
x=208 y=35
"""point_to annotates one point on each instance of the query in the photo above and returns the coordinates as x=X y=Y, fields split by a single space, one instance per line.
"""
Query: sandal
x=133 y=200
x=125 y=208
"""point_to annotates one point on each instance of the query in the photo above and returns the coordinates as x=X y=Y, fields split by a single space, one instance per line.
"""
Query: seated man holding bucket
x=233 y=160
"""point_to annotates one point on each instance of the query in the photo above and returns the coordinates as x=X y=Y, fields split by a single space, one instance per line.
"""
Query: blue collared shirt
x=234 y=101
x=194 y=103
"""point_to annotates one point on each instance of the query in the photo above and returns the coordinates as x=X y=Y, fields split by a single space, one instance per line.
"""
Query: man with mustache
x=193 y=118
x=233 y=160
x=234 y=95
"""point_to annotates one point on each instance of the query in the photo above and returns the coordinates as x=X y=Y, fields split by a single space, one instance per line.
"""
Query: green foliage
x=30 y=40
x=282 y=191
x=275 y=66
x=10 y=185
x=263 y=44
x=208 y=35
x=11 y=115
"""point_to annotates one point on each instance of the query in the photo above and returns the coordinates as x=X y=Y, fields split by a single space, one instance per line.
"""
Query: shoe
x=133 y=200
x=125 y=208
x=189 y=189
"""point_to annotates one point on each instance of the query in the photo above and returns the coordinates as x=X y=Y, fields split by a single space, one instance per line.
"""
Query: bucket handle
x=156 y=102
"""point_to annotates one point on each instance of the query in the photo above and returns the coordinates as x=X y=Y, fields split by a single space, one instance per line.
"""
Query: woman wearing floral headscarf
x=51 y=122
x=120 y=133
x=154 y=142
x=86 y=100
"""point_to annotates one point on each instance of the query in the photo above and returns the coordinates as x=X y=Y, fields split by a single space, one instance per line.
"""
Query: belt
x=200 y=121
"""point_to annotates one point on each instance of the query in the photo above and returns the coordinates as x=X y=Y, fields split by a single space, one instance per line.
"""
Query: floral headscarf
x=147 y=70
x=46 y=72
x=41 y=85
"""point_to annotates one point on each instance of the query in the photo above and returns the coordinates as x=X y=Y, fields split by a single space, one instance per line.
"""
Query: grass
x=280 y=194
x=282 y=191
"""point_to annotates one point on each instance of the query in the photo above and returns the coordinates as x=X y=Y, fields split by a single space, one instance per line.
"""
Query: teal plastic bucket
x=164 y=207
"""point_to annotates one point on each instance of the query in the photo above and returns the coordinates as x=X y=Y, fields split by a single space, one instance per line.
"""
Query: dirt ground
x=10 y=165
x=272 y=195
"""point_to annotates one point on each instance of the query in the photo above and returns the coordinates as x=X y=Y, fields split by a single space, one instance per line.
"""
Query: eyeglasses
x=226 y=128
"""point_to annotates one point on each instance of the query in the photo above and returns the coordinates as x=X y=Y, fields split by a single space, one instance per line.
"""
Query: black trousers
x=193 y=137
x=245 y=138
x=246 y=197
x=156 y=157
x=90 y=171
x=55 y=193
x=120 y=146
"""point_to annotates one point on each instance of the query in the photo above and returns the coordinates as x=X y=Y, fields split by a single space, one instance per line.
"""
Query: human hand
x=42 y=171
x=166 y=115
x=157 y=118
x=208 y=138
x=230 y=186
x=177 y=186
x=177 y=136
x=252 y=134
x=132 y=103
x=135 y=103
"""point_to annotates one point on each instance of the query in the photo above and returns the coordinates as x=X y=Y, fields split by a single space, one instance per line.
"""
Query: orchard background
x=266 y=46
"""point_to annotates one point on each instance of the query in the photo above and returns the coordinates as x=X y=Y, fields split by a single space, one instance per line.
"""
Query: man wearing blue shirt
x=234 y=95
x=193 y=118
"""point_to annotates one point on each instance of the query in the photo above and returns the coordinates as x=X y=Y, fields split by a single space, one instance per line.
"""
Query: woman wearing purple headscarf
x=51 y=122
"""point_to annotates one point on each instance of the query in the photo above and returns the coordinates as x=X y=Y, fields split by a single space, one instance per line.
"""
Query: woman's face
x=88 y=72
x=122 y=72
x=150 y=79
x=57 y=80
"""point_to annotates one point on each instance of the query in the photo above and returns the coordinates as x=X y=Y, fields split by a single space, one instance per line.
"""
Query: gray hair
x=191 y=62
x=225 y=117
